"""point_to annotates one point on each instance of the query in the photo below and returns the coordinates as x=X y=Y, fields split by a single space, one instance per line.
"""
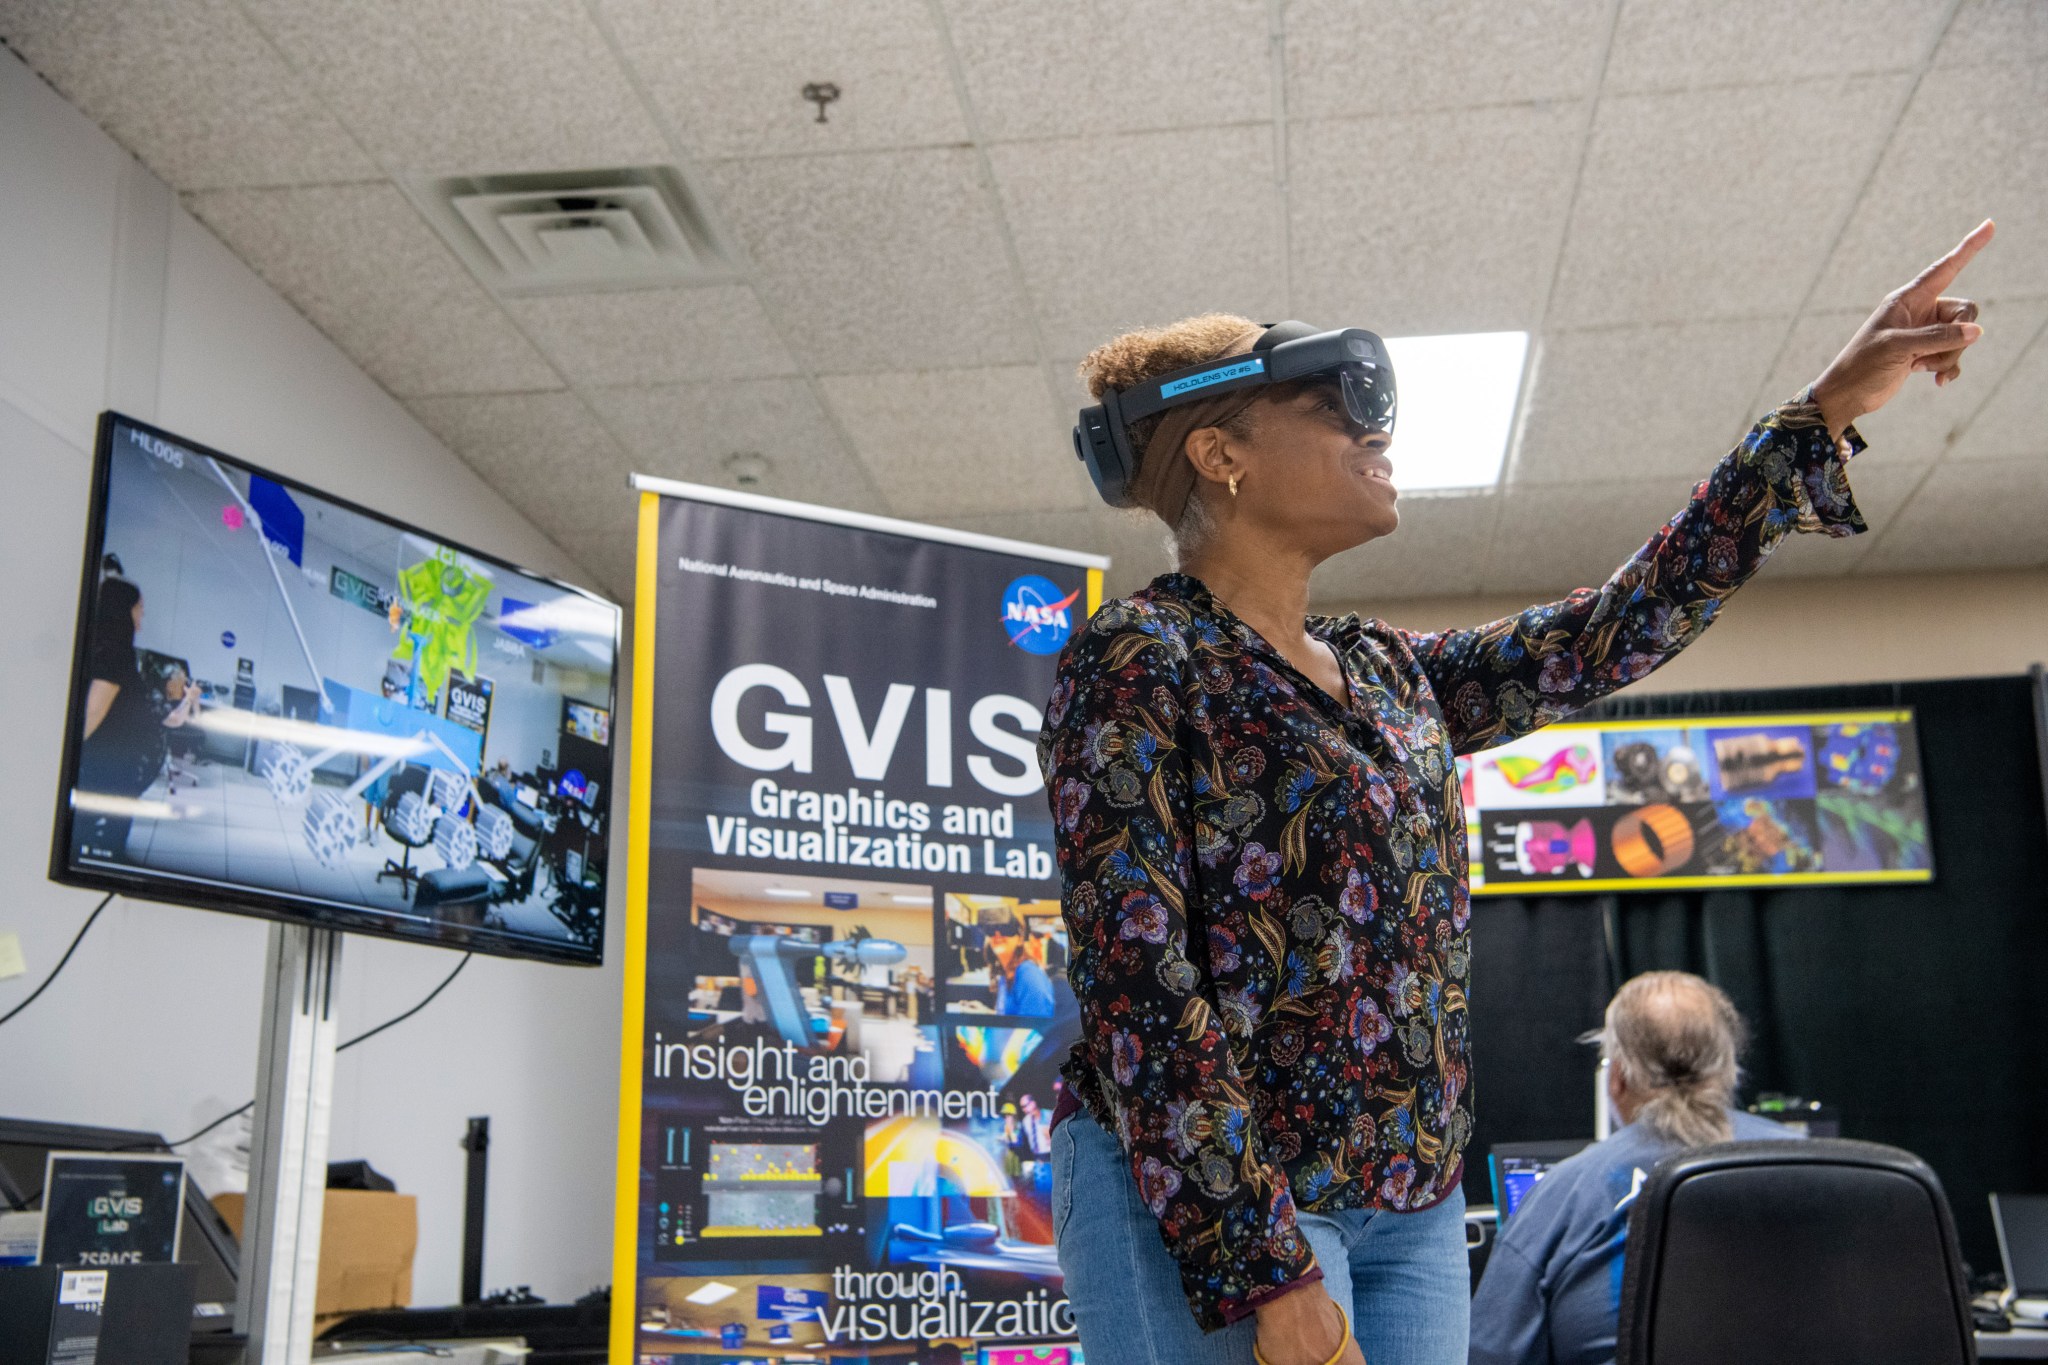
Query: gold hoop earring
x=1233 y=485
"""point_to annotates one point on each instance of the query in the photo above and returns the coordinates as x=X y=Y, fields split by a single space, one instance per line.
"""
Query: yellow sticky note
x=11 y=961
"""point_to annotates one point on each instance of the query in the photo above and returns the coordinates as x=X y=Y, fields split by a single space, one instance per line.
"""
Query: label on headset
x=1243 y=369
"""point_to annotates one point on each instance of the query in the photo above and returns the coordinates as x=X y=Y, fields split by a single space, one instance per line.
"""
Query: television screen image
x=756 y=1189
x=584 y=721
x=1801 y=798
x=682 y=1315
x=837 y=968
x=288 y=706
x=1553 y=767
x=1004 y=956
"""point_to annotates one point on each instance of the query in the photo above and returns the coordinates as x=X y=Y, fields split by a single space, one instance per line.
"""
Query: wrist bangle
x=1343 y=1339
x=1343 y=1334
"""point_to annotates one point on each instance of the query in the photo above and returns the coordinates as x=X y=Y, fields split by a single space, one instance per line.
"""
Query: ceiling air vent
x=575 y=232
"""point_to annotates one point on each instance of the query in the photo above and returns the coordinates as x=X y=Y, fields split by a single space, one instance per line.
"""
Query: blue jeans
x=1403 y=1277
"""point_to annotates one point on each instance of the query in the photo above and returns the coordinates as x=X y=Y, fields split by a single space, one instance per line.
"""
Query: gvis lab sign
x=1036 y=616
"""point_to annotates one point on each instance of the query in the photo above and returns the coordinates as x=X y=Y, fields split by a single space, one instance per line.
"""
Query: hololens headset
x=1286 y=352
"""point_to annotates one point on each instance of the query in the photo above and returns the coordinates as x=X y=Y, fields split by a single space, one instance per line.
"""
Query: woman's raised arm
x=1502 y=680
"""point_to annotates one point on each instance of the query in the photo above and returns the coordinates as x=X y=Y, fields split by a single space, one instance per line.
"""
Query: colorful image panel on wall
x=1761 y=762
x=1869 y=800
x=1554 y=767
x=1717 y=801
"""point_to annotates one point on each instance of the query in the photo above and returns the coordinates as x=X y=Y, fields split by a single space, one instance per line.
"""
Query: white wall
x=1816 y=632
x=111 y=296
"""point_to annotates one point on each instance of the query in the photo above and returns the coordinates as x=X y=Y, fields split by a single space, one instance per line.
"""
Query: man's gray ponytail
x=1676 y=1039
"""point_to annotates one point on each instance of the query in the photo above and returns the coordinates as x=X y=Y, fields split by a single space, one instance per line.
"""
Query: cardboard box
x=367 y=1241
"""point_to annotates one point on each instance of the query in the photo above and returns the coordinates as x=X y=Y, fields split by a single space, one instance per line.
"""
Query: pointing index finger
x=1937 y=277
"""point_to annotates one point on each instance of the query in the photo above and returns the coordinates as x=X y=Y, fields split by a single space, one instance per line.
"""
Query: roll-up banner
x=846 y=997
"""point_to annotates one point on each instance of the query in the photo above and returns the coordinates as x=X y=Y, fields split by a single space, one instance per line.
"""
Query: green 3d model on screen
x=443 y=599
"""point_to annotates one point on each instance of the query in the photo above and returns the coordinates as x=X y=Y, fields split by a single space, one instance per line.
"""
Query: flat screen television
x=286 y=705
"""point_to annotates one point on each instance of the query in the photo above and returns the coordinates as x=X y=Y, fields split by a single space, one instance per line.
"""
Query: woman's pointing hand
x=1917 y=327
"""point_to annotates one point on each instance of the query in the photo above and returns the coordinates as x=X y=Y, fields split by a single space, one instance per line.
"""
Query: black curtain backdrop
x=1920 y=1012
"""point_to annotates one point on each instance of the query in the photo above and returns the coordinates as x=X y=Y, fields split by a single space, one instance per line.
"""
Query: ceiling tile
x=1136 y=542
x=548 y=456
x=467 y=87
x=1881 y=488
x=1438 y=551
x=1995 y=31
x=1687 y=44
x=1429 y=223
x=357 y=260
x=1108 y=243
x=611 y=559
x=1061 y=67
x=1970 y=514
x=1915 y=427
x=730 y=77
x=1715 y=203
x=960 y=442
x=2014 y=420
x=1815 y=556
x=878 y=260
x=1881 y=491
x=687 y=431
x=1815 y=339
x=1344 y=58
x=656 y=336
x=153 y=77
x=1973 y=144
x=1642 y=401
x=1556 y=538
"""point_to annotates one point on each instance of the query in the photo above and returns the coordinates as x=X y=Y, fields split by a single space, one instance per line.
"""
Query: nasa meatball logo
x=1036 y=617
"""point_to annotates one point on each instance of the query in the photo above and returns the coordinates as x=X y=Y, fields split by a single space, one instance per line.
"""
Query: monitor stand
x=288 y=1144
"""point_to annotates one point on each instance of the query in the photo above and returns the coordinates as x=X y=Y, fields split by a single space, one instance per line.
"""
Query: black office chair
x=406 y=822
x=519 y=865
x=455 y=895
x=1809 y=1252
x=503 y=793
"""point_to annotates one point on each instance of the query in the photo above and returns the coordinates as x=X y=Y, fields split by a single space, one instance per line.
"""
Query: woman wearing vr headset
x=1262 y=843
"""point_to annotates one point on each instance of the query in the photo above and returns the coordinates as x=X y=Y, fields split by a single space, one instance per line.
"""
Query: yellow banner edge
x=633 y=1011
x=1706 y=883
x=1735 y=721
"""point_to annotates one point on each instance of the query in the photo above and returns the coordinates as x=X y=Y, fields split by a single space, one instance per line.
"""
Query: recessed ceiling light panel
x=713 y=1291
x=1457 y=407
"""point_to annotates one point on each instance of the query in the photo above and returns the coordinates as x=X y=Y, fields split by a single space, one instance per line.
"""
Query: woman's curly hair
x=1150 y=351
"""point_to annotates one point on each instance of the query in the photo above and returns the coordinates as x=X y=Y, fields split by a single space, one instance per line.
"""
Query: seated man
x=1552 y=1289
x=1020 y=981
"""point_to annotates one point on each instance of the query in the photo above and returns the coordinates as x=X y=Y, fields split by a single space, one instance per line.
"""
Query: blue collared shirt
x=1551 y=1294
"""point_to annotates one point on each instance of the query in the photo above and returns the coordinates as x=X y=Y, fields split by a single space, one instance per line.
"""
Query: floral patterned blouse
x=1265 y=887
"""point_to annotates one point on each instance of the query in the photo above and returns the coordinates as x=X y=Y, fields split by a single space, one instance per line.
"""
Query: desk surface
x=2021 y=1343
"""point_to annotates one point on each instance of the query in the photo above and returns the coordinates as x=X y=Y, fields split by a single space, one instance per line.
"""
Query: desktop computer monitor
x=1517 y=1166
x=2022 y=1223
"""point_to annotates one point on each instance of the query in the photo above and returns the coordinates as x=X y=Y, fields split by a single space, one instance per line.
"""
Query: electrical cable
x=171 y=1147
x=399 y=1019
x=54 y=971
x=232 y=1113
x=363 y=1037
